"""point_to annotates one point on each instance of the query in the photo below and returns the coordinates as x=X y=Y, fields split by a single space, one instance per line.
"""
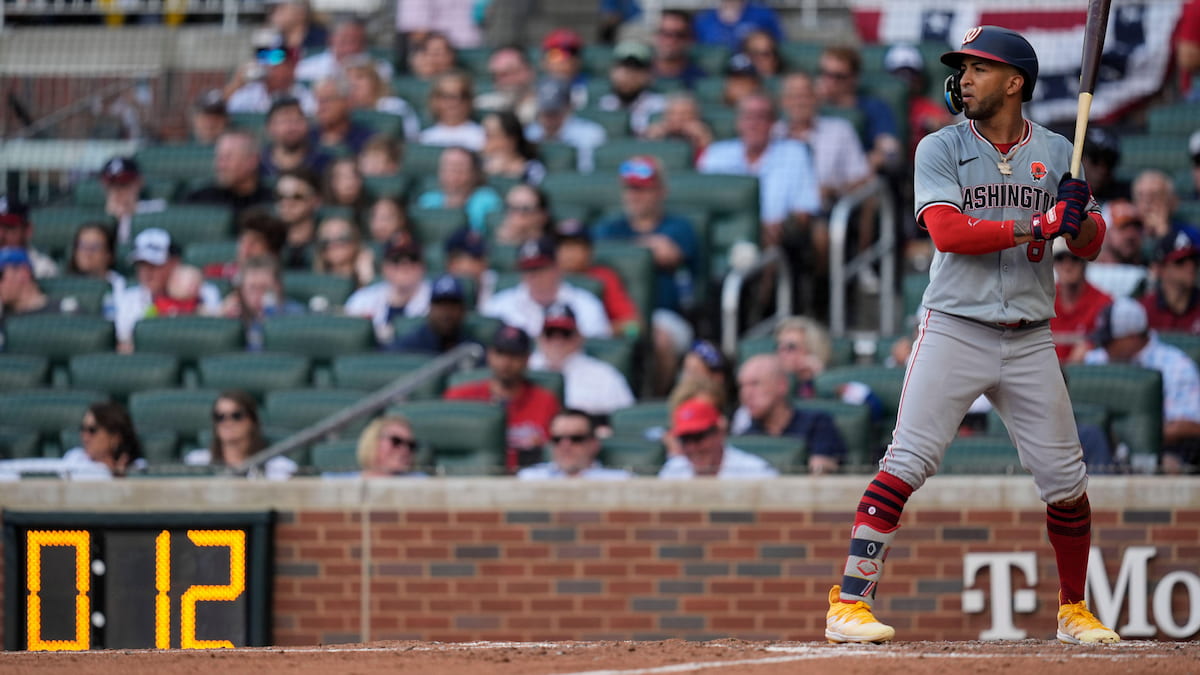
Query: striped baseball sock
x=875 y=525
x=1070 y=532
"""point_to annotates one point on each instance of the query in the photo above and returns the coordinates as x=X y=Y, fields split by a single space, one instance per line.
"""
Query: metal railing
x=736 y=279
x=840 y=273
x=369 y=405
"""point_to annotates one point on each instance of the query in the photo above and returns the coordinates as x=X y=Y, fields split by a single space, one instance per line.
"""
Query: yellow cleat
x=1078 y=626
x=854 y=623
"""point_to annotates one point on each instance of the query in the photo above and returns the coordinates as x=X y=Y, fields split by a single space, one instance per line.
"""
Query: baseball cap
x=1124 y=317
x=1101 y=145
x=447 y=288
x=120 y=171
x=709 y=354
x=553 y=96
x=1175 y=246
x=511 y=340
x=903 y=56
x=14 y=255
x=560 y=315
x=211 y=102
x=1194 y=147
x=740 y=65
x=693 y=416
x=535 y=254
x=401 y=247
x=13 y=213
x=153 y=246
x=633 y=54
x=563 y=39
x=572 y=229
x=640 y=171
x=468 y=241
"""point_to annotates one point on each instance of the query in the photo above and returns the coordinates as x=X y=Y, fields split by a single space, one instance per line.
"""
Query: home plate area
x=728 y=657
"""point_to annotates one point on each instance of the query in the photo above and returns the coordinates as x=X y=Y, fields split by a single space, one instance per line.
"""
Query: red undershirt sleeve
x=1093 y=247
x=953 y=231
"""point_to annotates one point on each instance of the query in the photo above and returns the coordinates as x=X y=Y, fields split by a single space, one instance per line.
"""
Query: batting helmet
x=998 y=44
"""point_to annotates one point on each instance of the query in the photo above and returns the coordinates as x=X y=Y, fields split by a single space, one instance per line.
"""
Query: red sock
x=1070 y=532
x=883 y=502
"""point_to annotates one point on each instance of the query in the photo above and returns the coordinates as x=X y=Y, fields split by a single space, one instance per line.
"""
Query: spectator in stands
x=701 y=431
x=209 y=117
x=386 y=218
x=17 y=230
x=617 y=13
x=924 y=116
x=466 y=258
x=732 y=20
x=297 y=200
x=347 y=41
x=513 y=80
x=345 y=188
x=762 y=48
x=557 y=122
x=1101 y=155
x=94 y=254
x=1124 y=336
x=591 y=385
x=1156 y=202
x=574 y=448
x=676 y=250
x=445 y=325
x=526 y=215
x=1077 y=303
x=335 y=131
x=258 y=295
x=183 y=293
x=19 y=291
x=766 y=410
x=461 y=186
x=542 y=285
x=838 y=87
x=340 y=252
x=1121 y=267
x=237 y=436
x=404 y=290
x=450 y=105
x=529 y=407
x=237 y=181
x=681 y=120
x=506 y=152
x=108 y=438
x=673 y=43
x=289 y=145
x=1174 y=303
x=741 y=80
x=805 y=350
x=705 y=361
x=574 y=256
x=787 y=183
x=562 y=61
x=293 y=20
x=629 y=79
x=455 y=20
x=381 y=156
x=260 y=233
x=387 y=448
x=271 y=74
x=432 y=56
x=1186 y=43
x=370 y=92
x=122 y=181
x=154 y=258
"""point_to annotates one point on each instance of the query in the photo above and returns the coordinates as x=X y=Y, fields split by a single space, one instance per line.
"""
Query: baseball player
x=993 y=192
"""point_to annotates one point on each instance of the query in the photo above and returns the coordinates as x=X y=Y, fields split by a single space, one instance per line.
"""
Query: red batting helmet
x=998 y=44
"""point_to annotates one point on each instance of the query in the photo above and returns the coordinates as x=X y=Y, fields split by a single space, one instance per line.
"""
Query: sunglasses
x=88 y=429
x=271 y=57
x=236 y=416
x=401 y=442
x=696 y=437
x=573 y=438
x=293 y=196
x=558 y=333
x=789 y=346
x=636 y=169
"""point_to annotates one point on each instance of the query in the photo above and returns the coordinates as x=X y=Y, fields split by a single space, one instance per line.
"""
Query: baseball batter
x=993 y=192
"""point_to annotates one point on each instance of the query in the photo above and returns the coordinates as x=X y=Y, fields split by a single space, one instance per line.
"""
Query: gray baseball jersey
x=958 y=167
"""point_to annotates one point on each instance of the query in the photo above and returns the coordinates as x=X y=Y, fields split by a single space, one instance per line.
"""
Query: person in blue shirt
x=461 y=186
x=673 y=43
x=732 y=20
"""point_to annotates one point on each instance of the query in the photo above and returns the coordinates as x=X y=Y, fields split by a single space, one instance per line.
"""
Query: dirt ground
x=728 y=657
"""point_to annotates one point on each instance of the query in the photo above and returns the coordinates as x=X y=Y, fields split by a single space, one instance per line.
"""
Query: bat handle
x=1081 y=122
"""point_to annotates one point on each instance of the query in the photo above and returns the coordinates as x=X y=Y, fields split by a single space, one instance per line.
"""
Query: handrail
x=882 y=250
x=67 y=111
x=369 y=405
x=731 y=291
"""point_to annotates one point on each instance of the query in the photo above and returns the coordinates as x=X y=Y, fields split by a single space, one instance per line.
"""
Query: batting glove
x=1067 y=215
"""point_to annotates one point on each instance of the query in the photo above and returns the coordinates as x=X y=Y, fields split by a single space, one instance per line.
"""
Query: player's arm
x=1087 y=243
x=953 y=231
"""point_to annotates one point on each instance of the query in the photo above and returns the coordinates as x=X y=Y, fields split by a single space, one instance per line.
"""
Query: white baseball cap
x=152 y=245
x=903 y=56
x=1123 y=318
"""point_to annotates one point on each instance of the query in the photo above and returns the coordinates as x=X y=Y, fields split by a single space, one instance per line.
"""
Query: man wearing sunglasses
x=701 y=431
x=573 y=451
x=269 y=75
x=591 y=385
x=673 y=42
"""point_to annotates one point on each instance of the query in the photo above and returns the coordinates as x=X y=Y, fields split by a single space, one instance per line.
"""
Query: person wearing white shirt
x=592 y=385
x=236 y=436
x=271 y=75
x=450 y=100
x=109 y=449
x=404 y=291
x=556 y=121
x=701 y=431
x=573 y=451
x=542 y=285
x=347 y=40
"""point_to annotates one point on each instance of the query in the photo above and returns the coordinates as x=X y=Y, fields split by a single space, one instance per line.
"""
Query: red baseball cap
x=693 y=416
x=564 y=39
x=559 y=315
x=640 y=171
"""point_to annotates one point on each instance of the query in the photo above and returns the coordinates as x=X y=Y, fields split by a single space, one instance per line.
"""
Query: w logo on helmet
x=972 y=34
x=1037 y=170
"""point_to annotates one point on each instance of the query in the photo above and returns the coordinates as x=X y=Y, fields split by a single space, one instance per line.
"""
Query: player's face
x=572 y=444
x=984 y=86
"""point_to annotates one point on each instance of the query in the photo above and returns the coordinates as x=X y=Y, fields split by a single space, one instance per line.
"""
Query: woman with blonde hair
x=369 y=91
x=805 y=350
x=388 y=447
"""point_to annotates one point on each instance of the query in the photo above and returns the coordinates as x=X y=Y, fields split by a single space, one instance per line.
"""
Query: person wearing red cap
x=1174 y=304
x=701 y=431
x=562 y=61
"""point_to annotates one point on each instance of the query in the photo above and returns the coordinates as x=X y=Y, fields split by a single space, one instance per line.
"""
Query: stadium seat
x=640 y=455
x=380 y=122
x=711 y=58
x=596 y=192
x=188 y=337
x=635 y=266
x=615 y=122
x=373 y=371
x=321 y=337
x=189 y=223
x=22 y=371
x=396 y=185
x=673 y=154
x=253 y=122
x=788 y=455
x=885 y=382
x=619 y=352
x=473 y=60
x=747 y=347
x=54 y=226
x=466 y=437
x=254 y=372
x=159 y=446
x=19 y=443
x=335 y=456
x=558 y=156
x=1188 y=342
x=1133 y=397
x=1174 y=119
x=122 y=374
x=412 y=89
x=802 y=55
x=1165 y=152
x=304 y=286
x=90 y=193
x=58 y=337
x=186 y=412
x=546 y=379
x=48 y=412
x=981 y=454
x=182 y=161
x=421 y=161
x=205 y=253
x=854 y=424
x=646 y=419
x=721 y=119
x=87 y=293
x=433 y=226
x=296 y=409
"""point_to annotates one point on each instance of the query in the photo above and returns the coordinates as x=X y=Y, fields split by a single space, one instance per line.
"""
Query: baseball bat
x=1093 y=47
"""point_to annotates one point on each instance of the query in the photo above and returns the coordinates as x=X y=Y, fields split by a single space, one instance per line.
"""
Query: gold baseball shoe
x=856 y=623
x=1078 y=626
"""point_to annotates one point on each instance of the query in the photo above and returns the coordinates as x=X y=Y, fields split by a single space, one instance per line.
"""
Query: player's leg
x=953 y=361
x=1033 y=402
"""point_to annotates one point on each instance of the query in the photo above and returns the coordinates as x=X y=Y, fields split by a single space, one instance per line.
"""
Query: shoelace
x=1078 y=614
x=858 y=610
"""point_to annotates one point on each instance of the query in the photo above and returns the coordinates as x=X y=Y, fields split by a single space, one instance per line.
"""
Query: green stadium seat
x=635 y=266
x=1188 y=342
x=321 y=337
x=189 y=223
x=296 y=409
x=335 y=456
x=642 y=456
x=558 y=156
x=711 y=58
x=1165 y=152
x=1134 y=399
x=595 y=192
x=373 y=371
x=473 y=60
x=914 y=285
x=380 y=122
x=205 y=253
x=803 y=55
x=254 y=372
x=597 y=60
x=412 y=89
x=48 y=412
x=54 y=226
x=22 y=371
x=304 y=286
x=177 y=161
x=253 y=122
x=788 y=455
x=420 y=160
x=674 y=155
x=188 y=337
x=721 y=119
x=159 y=446
x=710 y=90
x=1175 y=119
x=482 y=328
x=433 y=226
x=615 y=122
x=885 y=382
x=854 y=424
x=123 y=374
x=396 y=185
x=88 y=292
x=19 y=443
x=635 y=420
x=185 y=412
x=90 y=193
x=981 y=454
x=466 y=437
x=58 y=337
x=547 y=379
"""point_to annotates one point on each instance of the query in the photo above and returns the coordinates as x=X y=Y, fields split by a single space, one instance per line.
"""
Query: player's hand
x=1067 y=215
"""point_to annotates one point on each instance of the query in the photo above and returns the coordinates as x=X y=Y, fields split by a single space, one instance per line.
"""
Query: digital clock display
x=136 y=581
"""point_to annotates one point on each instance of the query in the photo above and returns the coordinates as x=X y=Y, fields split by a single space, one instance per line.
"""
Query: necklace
x=1003 y=165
